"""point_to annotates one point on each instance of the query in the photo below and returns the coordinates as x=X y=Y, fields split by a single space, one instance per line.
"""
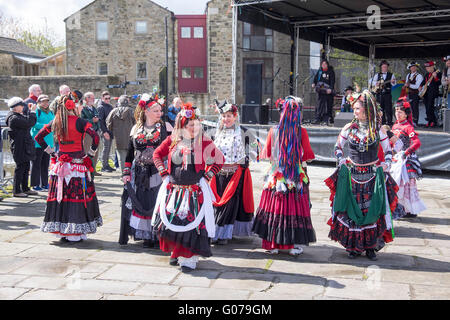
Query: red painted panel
x=192 y=53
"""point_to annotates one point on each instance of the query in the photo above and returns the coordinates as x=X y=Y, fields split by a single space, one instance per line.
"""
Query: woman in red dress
x=283 y=218
x=184 y=213
x=72 y=208
x=406 y=168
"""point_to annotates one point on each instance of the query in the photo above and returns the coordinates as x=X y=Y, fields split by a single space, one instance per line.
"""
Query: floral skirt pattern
x=77 y=213
x=283 y=217
x=355 y=238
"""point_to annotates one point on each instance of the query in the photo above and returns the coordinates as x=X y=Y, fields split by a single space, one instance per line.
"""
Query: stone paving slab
x=371 y=288
x=34 y=265
x=137 y=273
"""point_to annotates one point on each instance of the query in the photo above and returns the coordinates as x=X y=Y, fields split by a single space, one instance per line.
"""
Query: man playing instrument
x=446 y=81
x=413 y=84
x=384 y=81
x=432 y=92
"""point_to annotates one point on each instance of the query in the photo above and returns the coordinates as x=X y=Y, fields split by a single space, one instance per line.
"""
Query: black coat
x=103 y=111
x=22 y=144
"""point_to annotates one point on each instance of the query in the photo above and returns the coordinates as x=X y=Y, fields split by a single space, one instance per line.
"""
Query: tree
x=39 y=42
x=42 y=40
x=352 y=66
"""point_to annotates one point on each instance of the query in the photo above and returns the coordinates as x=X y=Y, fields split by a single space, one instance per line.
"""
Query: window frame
x=137 y=70
x=97 y=30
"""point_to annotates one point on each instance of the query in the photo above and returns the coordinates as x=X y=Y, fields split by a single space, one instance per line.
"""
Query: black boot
x=173 y=261
x=148 y=244
x=353 y=255
x=371 y=255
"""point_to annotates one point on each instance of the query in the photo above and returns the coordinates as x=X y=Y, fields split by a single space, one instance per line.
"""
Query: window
x=141 y=27
x=267 y=75
x=102 y=30
x=198 y=32
x=247 y=29
x=103 y=68
x=257 y=38
x=185 y=32
x=198 y=73
x=186 y=73
x=141 y=71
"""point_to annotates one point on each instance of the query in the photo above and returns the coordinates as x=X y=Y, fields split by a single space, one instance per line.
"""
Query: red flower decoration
x=142 y=104
x=88 y=163
x=70 y=105
x=156 y=135
x=65 y=158
x=190 y=217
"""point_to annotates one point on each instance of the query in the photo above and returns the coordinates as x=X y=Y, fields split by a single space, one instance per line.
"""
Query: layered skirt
x=405 y=173
x=359 y=237
x=72 y=208
x=138 y=203
x=234 y=217
x=184 y=219
x=283 y=217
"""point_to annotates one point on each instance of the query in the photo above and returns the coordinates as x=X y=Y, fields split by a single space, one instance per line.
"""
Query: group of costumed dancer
x=184 y=191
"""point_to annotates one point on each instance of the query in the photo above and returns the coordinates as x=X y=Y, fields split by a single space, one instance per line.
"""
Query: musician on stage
x=413 y=83
x=446 y=80
x=432 y=92
x=324 y=84
x=383 y=81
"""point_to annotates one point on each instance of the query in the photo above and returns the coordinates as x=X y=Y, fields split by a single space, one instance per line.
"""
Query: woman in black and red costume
x=184 y=214
x=232 y=186
x=72 y=208
x=140 y=176
x=406 y=168
x=363 y=194
x=283 y=217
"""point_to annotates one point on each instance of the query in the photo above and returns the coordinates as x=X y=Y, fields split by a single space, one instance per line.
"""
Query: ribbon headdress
x=289 y=138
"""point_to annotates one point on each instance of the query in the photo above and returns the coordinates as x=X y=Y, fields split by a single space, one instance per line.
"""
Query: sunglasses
x=107 y=98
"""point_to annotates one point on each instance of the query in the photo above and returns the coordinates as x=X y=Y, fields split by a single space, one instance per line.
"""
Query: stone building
x=16 y=59
x=127 y=39
x=121 y=38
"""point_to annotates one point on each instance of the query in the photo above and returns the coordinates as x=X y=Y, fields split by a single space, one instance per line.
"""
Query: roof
x=9 y=45
x=407 y=28
x=154 y=3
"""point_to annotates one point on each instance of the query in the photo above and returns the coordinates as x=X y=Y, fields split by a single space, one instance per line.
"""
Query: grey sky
x=53 y=12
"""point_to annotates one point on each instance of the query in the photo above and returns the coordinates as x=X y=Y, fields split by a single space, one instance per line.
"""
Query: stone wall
x=18 y=86
x=125 y=48
x=6 y=64
x=220 y=48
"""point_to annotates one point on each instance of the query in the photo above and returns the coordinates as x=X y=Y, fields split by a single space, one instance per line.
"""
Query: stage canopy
x=408 y=28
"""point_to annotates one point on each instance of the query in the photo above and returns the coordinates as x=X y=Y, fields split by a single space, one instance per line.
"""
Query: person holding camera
x=22 y=145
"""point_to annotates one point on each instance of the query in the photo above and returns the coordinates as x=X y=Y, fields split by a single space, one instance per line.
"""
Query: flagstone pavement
x=34 y=265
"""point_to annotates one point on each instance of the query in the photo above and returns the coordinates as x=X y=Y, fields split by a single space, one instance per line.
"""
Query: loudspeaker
x=446 y=120
x=254 y=114
x=253 y=83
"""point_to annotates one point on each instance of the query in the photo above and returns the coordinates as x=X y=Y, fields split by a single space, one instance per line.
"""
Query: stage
x=434 y=152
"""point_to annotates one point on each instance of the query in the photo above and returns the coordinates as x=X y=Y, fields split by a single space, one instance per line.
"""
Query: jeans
x=106 y=151
x=121 y=155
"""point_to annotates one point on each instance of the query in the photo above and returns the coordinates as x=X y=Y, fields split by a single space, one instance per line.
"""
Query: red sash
x=247 y=192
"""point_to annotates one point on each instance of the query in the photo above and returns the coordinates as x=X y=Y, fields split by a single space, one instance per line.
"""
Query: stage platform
x=434 y=152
